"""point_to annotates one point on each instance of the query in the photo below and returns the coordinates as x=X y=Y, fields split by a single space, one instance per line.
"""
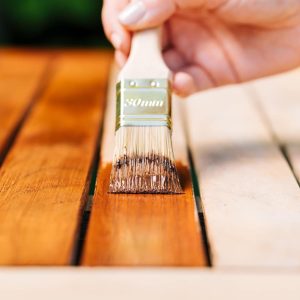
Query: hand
x=209 y=43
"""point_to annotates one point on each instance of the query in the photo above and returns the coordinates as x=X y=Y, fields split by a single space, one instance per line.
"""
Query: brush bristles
x=144 y=162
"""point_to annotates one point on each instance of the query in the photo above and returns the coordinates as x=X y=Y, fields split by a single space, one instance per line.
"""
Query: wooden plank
x=21 y=77
x=136 y=284
x=250 y=198
x=279 y=100
x=143 y=230
x=44 y=180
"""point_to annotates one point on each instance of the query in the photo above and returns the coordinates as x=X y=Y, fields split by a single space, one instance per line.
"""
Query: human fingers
x=268 y=13
x=146 y=13
x=174 y=60
x=142 y=14
x=191 y=79
x=120 y=58
x=115 y=32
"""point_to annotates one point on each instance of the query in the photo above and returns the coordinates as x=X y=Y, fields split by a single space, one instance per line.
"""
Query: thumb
x=141 y=14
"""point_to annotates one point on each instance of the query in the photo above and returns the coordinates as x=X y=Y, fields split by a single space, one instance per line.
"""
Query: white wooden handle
x=145 y=59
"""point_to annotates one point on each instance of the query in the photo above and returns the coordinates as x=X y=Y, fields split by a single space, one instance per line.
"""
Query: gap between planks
x=44 y=179
x=250 y=199
x=143 y=230
x=278 y=99
x=22 y=79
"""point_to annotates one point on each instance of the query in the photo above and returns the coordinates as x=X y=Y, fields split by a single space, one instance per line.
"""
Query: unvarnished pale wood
x=137 y=284
x=250 y=198
x=21 y=76
x=43 y=181
x=140 y=230
x=279 y=100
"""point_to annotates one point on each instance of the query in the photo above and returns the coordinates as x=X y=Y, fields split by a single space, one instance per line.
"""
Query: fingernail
x=116 y=40
x=132 y=13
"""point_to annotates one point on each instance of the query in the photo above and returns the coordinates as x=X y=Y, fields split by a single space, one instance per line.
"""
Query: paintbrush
x=143 y=160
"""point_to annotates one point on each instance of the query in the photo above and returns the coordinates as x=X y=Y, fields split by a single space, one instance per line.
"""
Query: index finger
x=117 y=34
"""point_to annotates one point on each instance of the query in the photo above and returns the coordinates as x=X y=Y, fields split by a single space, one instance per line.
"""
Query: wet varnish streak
x=144 y=229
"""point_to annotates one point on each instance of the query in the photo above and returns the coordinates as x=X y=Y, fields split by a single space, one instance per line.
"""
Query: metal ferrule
x=143 y=102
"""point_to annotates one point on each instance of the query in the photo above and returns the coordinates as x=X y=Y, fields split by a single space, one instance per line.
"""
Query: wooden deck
x=238 y=152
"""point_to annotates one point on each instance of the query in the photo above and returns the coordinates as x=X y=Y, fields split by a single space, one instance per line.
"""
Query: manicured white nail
x=116 y=40
x=132 y=13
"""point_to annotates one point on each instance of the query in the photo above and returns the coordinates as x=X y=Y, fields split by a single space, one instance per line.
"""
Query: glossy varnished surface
x=22 y=77
x=244 y=142
x=144 y=229
x=45 y=176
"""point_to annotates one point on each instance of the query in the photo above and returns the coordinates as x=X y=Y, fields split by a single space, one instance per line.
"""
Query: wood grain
x=279 y=99
x=21 y=77
x=143 y=230
x=44 y=180
x=250 y=198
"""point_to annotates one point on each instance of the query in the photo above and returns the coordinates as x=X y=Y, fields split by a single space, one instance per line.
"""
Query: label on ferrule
x=145 y=102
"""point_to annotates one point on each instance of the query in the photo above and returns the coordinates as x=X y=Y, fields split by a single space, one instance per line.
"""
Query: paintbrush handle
x=145 y=59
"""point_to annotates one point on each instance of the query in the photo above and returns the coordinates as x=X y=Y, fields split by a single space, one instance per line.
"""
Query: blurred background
x=51 y=23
